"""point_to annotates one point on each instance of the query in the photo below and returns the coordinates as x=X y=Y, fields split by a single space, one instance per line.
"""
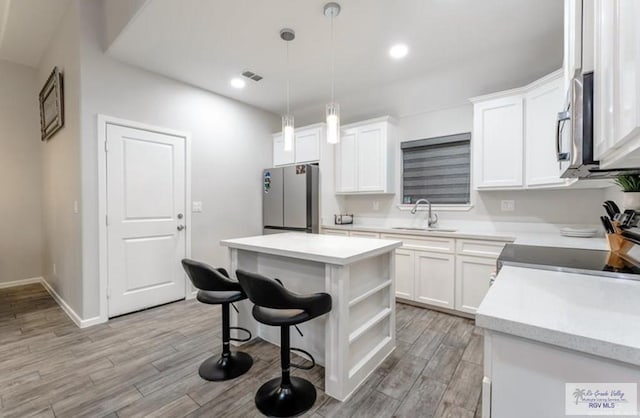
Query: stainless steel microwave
x=574 y=134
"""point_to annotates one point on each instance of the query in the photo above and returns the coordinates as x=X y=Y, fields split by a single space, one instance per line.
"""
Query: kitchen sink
x=407 y=228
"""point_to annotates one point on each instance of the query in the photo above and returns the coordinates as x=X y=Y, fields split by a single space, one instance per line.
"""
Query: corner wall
x=62 y=245
x=20 y=174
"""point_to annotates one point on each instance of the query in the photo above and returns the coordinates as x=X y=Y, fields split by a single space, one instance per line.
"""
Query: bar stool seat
x=218 y=298
x=216 y=288
x=285 y=396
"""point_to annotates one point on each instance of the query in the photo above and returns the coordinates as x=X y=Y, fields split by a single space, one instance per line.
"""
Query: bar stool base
x=276 y=400
x=219 y=368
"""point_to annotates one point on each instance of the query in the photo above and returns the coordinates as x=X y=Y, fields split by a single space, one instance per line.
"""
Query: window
x=437 y=169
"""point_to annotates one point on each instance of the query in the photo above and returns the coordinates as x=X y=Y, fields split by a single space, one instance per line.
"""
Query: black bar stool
x=274 y=305
x=215 y=288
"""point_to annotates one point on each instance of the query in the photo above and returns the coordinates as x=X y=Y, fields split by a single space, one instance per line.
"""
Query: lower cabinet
x=433 y=279
x=441 y=272
x=404 y=273
x=472 y=281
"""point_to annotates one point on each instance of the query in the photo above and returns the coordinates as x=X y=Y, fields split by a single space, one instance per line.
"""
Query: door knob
x=180 y=227
x=180 y=216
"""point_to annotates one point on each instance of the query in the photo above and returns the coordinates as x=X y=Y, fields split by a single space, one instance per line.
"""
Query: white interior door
x=146 y=218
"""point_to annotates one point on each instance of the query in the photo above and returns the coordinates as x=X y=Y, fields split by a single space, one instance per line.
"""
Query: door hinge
x=108 y=293
x=106 y=146
x=106 y=220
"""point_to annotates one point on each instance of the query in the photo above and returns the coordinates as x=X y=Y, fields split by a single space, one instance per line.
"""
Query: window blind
x=437 y=169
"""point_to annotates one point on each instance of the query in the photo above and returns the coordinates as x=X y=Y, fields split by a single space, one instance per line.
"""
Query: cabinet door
x=603 y=88
x=371 y=158
x=307 y=145
x=346 y=162
x=434 y=279
x=541 y=109
x=628 y=72
x=280 y=156
x=404 y=274
x=498 y=143
x=572 y=35
x=617 y=83
x=472 y=281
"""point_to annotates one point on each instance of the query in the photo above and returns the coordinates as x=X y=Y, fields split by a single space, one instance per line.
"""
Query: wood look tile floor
x=145 y=365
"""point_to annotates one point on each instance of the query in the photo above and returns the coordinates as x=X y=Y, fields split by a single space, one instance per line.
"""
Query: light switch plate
x=376 y=205
x=508 y=205
x=196 y=207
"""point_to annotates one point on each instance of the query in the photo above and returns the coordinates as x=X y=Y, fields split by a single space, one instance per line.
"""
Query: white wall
x=61 y=168
x=231 y=144
x=20 y=174
x=558 y=206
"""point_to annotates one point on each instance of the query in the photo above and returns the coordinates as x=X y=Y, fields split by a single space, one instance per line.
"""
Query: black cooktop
x=572 y=260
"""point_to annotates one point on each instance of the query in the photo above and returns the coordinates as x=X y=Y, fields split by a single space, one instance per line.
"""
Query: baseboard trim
x=22 y=282
x=81 y=323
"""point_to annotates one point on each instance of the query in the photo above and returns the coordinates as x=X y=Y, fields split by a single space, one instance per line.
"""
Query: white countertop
x=591 y=314
x=321 y=248
x=543 y=237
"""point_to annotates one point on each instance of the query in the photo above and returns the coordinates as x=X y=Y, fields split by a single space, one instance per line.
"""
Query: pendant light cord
x=333 y=62
x=288 y=77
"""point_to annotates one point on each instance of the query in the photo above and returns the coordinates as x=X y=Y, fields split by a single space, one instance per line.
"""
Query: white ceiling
x=458 y=49
x=26 y=27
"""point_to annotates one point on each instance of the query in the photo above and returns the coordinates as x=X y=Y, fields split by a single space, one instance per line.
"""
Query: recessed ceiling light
x=399 y=51
x=238 y=83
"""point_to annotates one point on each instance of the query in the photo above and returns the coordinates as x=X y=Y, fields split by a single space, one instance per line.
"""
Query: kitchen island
x=548 y=329
x=359 y=332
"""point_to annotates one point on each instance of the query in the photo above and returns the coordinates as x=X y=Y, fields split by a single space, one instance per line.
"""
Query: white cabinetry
x=514 y=137
x=617 y=83
x=438 y=271
x=434 y=279
x=346 y=155
x=280 y=156
x=365 y=158
x=306 y=146
x=404 y=273
x=498 y=142
x=542 y=104
x=572 y=39
x=472 y=281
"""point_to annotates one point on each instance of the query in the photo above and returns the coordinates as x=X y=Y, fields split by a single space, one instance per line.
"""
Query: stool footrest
x=299 y=366
x=241 y=340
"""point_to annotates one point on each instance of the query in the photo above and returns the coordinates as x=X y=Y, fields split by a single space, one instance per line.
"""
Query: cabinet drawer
x=479 y=248
x=335 y=232
x=363 y=234
x=445 y=245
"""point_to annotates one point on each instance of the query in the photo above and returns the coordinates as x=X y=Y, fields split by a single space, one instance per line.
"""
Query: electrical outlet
x=196 y=207
x=508 y=205
x=75 y=207
x=376 y=205
x=54 y=269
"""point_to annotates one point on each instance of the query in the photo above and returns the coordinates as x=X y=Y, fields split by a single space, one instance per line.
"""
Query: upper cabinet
x=514 y=136
x=617 y=83
x=541 y=108
x=498 y=142
x=306 y=146
x=365 y=157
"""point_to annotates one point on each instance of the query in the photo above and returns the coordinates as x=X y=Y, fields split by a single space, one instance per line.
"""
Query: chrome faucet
x=432 y=218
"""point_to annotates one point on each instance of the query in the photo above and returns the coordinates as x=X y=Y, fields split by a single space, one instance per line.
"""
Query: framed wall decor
x=51 y=105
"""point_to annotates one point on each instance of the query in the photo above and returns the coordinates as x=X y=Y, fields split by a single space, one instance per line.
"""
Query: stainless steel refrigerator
x=290 y=199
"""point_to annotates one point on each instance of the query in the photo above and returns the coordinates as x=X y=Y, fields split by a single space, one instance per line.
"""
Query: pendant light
x=288 y=35
x=332 y=10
